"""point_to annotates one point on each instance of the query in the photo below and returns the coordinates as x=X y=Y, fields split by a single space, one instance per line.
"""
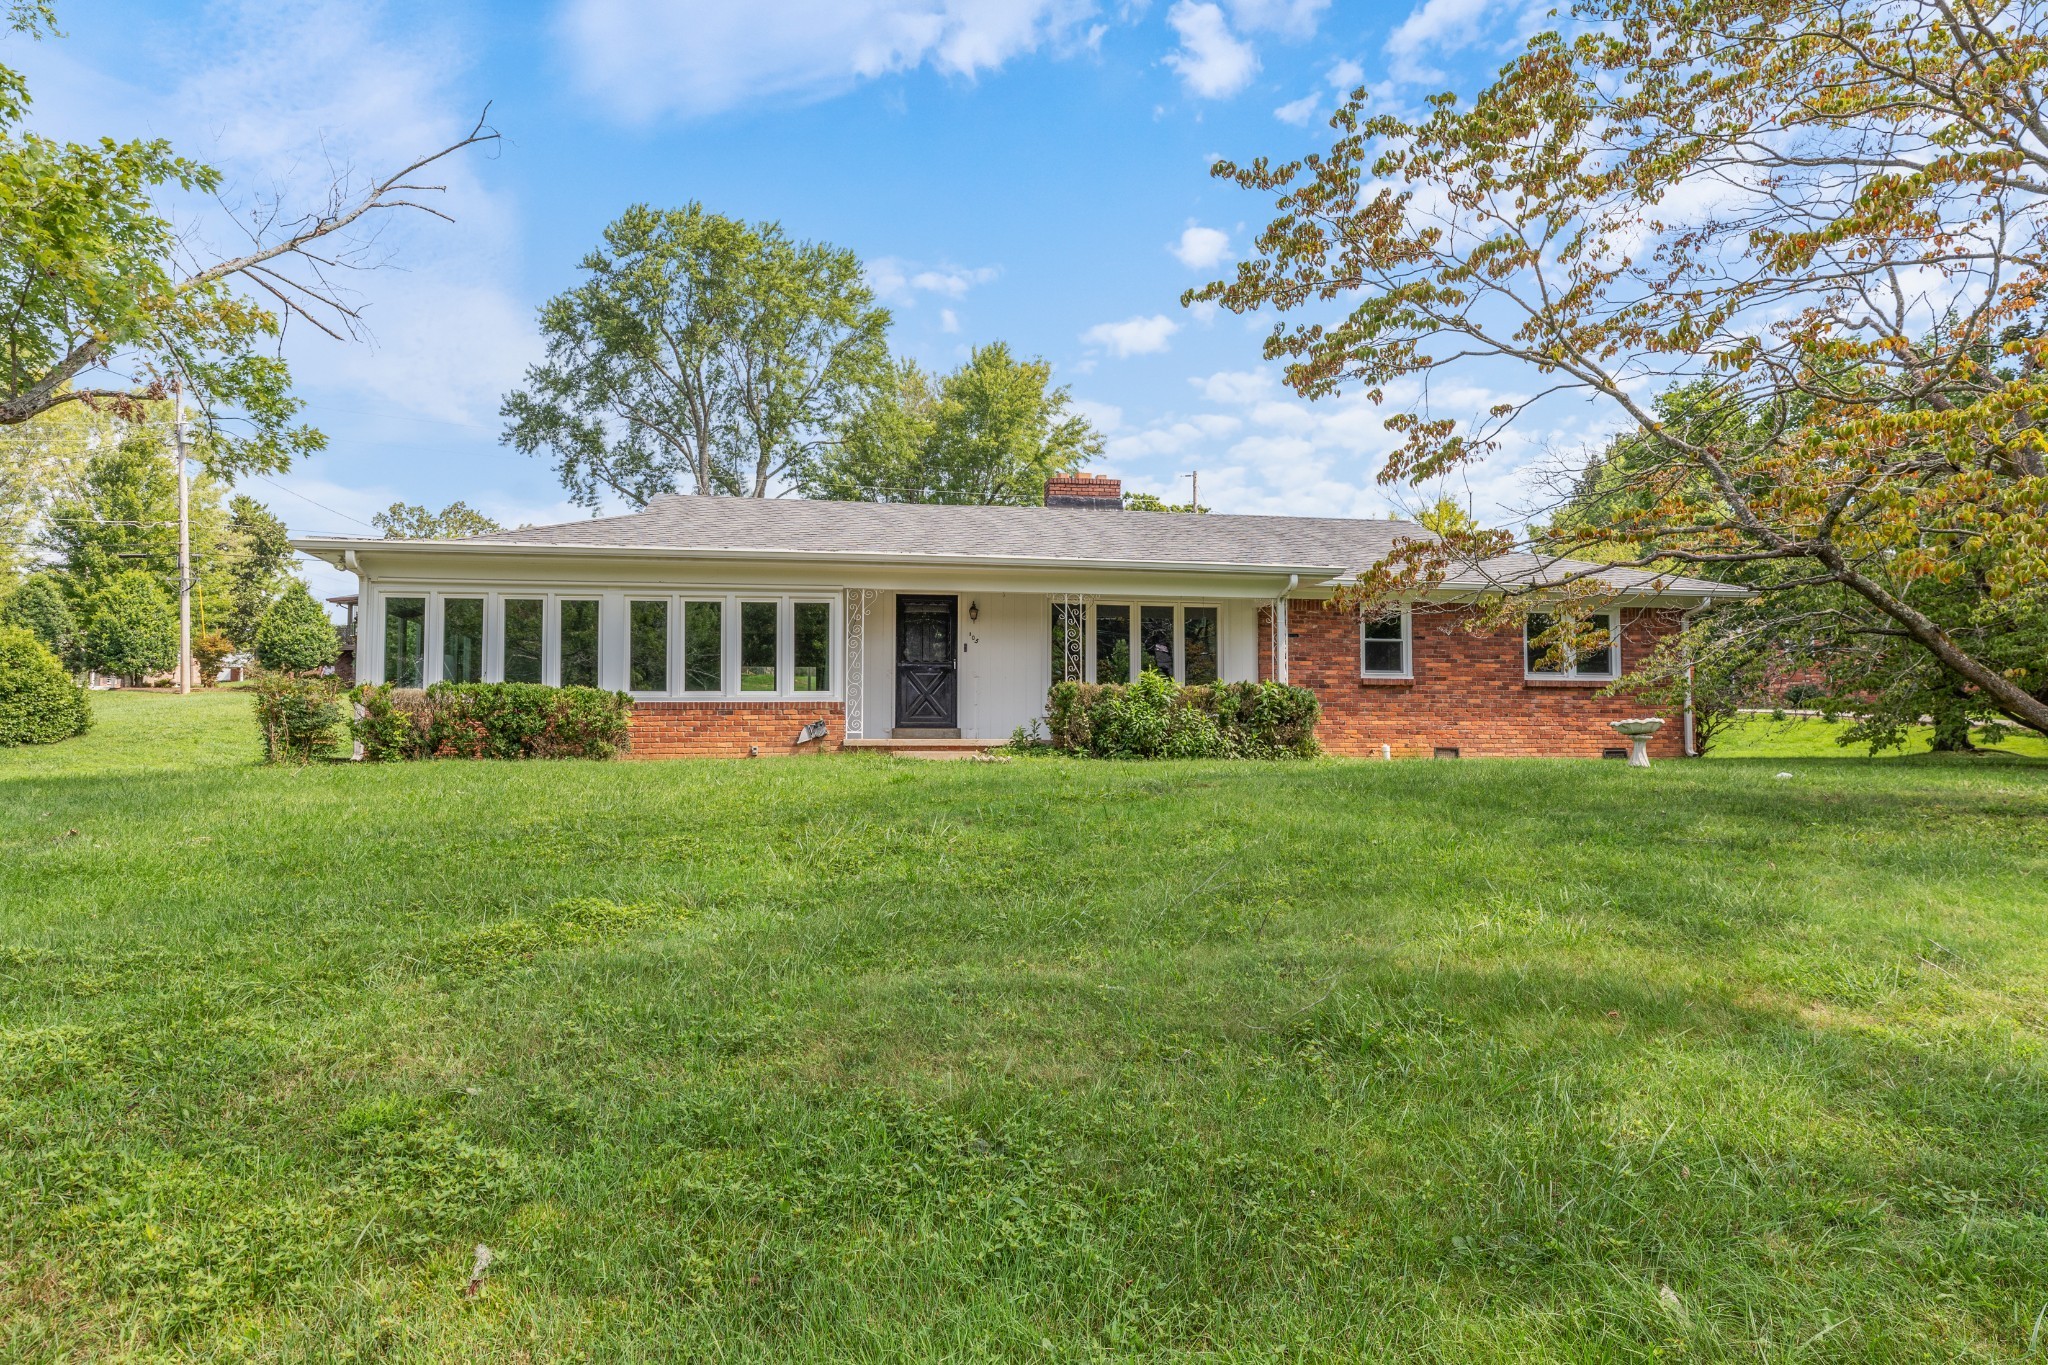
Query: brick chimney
x=1085 y=490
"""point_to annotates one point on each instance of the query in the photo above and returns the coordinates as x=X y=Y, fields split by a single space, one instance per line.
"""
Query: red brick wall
x=728 y=729
x=1467 y=693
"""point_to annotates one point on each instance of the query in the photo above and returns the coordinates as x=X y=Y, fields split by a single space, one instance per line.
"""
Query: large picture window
x=1112 y=644
x=405 y=640
x=1383 y=648
x=579 y=642
x=1155 y=640
x=703 y=646
x=758 y=646
x=1182 y=642
x=524 y=617
x=462 y=639
x=811 y=636
x=1198 y=645
x=1595 y=654
x=648 y=648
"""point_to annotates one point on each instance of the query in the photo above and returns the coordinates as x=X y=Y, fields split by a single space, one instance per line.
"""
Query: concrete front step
x=927 y=748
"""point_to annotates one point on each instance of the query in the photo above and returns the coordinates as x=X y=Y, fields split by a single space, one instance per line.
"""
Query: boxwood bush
x=489 y=720
x=1156 y=717
x=39 y=704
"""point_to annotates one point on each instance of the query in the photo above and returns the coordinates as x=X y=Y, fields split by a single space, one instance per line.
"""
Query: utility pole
x=1195 y=490
x=184 y=549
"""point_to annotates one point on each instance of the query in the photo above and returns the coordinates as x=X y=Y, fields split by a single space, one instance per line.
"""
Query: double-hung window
x=1594 y=652
x=1384 y=648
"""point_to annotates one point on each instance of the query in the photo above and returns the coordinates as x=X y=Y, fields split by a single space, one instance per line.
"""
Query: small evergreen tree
x=296 y=636
x=39 y=704
x=130 y=628
x=38 y=606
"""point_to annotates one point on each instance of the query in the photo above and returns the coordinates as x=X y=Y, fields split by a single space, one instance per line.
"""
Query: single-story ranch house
x=769 y=626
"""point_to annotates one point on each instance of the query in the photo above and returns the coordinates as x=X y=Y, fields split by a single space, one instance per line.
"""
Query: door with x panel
x=927 y=662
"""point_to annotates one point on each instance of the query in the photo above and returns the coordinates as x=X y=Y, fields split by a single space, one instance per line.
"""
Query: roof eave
x=324 y=546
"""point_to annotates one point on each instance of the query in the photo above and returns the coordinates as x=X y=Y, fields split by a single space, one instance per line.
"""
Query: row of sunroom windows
x=706 y=646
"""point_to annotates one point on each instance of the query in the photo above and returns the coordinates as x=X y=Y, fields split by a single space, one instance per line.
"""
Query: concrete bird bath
x=1638 y=732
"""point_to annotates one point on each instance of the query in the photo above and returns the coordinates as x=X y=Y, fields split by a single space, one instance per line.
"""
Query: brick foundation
x=1467 y=692
x=729 y=729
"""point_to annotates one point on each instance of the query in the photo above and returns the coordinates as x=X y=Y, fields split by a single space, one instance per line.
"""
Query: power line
x=321 y=505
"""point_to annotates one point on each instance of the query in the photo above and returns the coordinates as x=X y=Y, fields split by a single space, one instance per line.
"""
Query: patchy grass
x=864 y=1058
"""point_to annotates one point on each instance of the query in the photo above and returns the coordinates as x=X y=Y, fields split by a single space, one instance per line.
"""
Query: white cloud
x=1133 y=336
x=647 y=57
x=1436 y=24
x=281 y=103
x=1294 y=18
x=1101 y=416
x=1212 y=61
x=1346 y=76
x=1299 y=112
x=1201 y=247
x=949 y=321
x=1235 y=386
x=899 y=282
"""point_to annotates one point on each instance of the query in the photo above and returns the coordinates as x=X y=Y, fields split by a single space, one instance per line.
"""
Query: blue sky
x=1032 y=171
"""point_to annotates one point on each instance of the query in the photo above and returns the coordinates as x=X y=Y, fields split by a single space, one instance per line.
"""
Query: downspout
x=1685 y=624
x=1280 y=629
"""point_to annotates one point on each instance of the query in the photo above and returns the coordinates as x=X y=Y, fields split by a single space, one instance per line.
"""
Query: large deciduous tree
x=700 y=353
x=1833 y=213
x=106 y=304
x=412 y=521
x=992 y=431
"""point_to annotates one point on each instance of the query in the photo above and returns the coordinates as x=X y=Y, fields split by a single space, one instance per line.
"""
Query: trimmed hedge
x=489 y=720
x=1155 y=717
x=39 y=704
x=300 y=718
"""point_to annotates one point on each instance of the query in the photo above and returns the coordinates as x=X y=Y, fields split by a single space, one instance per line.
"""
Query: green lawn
x=1761 y=736
x=870 y=1058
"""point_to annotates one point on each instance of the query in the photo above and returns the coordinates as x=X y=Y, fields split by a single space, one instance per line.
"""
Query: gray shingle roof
x=1334 y=546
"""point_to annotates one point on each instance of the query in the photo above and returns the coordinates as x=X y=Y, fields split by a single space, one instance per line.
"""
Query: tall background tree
x=411 y=521
x=1834 y=213
x=107 y=306
x=992 y=431
x=700 y=354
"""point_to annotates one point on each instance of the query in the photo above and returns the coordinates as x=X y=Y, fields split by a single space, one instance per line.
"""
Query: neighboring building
x=736 y=623
x=344 y=666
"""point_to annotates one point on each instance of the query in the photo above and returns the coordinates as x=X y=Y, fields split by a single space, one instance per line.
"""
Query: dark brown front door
x=927 y=659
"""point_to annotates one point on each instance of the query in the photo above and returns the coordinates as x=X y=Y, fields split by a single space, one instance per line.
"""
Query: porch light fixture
x=974 y=611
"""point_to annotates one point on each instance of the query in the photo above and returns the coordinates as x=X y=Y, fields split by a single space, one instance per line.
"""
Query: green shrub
x=300 y=717
x=39 y=704
x=1155 y=717
x=490 y=720
x=295 y=635
x=38 y=605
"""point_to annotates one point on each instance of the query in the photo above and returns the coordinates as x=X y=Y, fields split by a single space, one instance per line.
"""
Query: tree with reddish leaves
x=1826 y=220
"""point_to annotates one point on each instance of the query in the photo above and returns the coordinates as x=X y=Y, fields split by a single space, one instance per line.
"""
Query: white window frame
x=1407 y=668
x=1136 y=607
x=551 y=631
x=1570 y=672
x=614 y=638
x=668 y=645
